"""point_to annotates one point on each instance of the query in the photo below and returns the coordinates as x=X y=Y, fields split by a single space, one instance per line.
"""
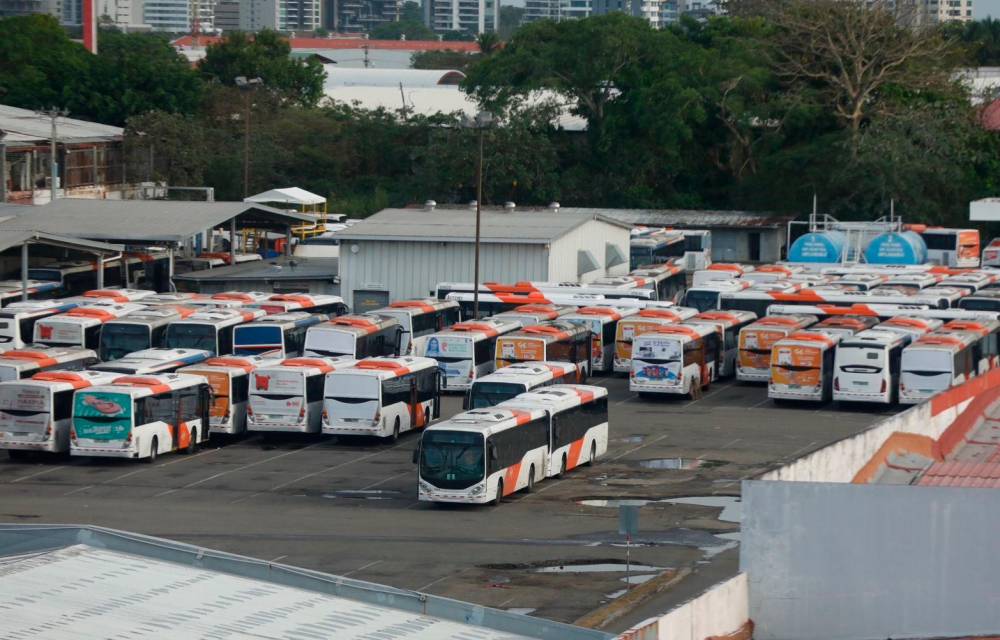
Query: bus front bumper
x=475 y=494
x=284 y=427
x=847 y=396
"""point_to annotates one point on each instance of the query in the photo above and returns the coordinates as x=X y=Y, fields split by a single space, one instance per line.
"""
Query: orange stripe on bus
x=575 y=449
x=510 y=476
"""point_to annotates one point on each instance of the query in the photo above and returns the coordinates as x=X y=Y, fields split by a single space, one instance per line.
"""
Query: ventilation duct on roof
x=613 y=256
x=585 y=262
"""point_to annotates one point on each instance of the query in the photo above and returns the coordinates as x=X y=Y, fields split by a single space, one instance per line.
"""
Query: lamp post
x=3 y=167
x=54 y=114
x=482 y=121
x=247 y=86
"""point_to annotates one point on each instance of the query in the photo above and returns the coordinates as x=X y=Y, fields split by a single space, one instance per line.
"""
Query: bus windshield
x=452 y=459
x=701 y=300
x=119 y=340
x=252 y=340
x=191 y=336
x=100 y=415
x=330 y=344
x=490 y=394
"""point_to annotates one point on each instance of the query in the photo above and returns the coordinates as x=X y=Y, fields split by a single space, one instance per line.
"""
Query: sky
x=983 y=8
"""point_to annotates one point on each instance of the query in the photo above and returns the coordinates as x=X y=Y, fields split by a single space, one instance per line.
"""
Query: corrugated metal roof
x=82 y=592
x=337 y=76
x=10 y=239
x=141 y=221
x=984 y=475
x=276 y=269
x=697 y=219
x=25 y=127
x=522 y=226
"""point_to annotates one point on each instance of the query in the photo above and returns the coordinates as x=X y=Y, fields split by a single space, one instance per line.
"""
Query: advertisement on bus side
x=102 y=416
x=797 y=366
x=755 y=347
x=658 y=349
x=520 y=349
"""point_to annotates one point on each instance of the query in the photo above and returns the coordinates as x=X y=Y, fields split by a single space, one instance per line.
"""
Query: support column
x=24 y=271
x=288 y=240
x=232 y=240
x=170 y=268
x=100 y=271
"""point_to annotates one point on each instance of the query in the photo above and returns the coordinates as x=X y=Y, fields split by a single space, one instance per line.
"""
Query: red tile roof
x=984 y=475
x=989 y=117
x=348 y=43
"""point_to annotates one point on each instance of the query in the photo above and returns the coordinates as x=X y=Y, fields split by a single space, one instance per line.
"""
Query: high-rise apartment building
x=10 y=8
x=359 y=16
x=227 y=15
x=470 y=16
x=282 y=15
x=124 y=14
x=179 y=16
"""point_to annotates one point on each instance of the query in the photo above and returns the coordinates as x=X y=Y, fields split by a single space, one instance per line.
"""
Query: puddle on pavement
x=615 y=503
x=680 y=463
x=732 y=540
x=363 y=494
x=731 y=506
x=607 y=567
x=522 y=611
x=632 y=439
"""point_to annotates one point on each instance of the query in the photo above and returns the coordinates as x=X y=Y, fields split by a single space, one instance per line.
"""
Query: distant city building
x=227 y=15
x=9 y=8
x=358 y=16
x=949 y=10
x=471 y=16
x=557 y=10
x=178 y=16
x=125 y=14
x=282 y=15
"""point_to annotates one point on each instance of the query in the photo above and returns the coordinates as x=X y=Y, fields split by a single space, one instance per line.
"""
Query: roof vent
x=509 y=206
x=430 y=205
x=554 y=206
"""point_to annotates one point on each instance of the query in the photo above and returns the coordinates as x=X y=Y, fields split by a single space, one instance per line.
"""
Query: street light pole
x=483 y=119
x=54 y=114
x=247 y=85
x=3 y=167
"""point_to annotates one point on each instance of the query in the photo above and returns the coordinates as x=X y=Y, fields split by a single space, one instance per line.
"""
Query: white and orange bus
x=934 y=363
x=288 y=302
x=728 y=325
x=802 y=366
x=210 y=329
x=420 y=318
x=985 y=352
x=560 y=341
x=756 y=340
x=229 y=377
x=866 y=367
x=288 y=396
x=80 y=327
x=118 y=296
x=910 y=327
x=17 y=320
x=603 y=325
x=24 y=363
x=358 y=336
x=529 y=314
x=466 y=351
x=141 y=417
x=35 y=412
x=139 y=330
x=382 y=397
x=508 y=382
x=643 y=321
x=845 y=326
x=952 y=247
x=678 y=359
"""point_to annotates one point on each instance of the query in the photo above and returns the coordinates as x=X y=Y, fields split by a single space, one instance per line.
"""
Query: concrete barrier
x=720 y=612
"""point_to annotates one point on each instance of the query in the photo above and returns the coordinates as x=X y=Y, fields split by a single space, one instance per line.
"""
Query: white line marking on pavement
x=384 y=480
x=36 y=474
x=434 y=582
x=165 y=464
x=276 y=559
x=622 y=455
x=361 y=568
x=78 y=490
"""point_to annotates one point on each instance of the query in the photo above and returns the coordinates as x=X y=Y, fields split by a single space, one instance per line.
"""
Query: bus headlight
x=426 y=487
x=478 y=489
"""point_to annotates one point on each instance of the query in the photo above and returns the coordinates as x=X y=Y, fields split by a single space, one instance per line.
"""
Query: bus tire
x=395 y=431
x=192 y=447
x=531 y=480
x=16 y=454
x=593 y=454
x=499 y=497
x=152 y=451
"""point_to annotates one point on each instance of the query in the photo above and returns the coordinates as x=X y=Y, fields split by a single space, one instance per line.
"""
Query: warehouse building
x=404 y=253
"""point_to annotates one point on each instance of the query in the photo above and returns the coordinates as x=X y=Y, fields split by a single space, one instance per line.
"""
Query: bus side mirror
x=416 y=455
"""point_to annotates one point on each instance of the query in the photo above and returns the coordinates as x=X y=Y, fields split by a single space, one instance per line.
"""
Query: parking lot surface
x=349 y=507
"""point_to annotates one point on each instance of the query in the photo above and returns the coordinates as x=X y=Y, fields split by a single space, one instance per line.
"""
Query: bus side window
x=693 y=353
x=314 y=388
x=732 y=339
x=27 y=327
x=160 y=408
x=426 y=386
x=189 y=404
x=156 y=336
x=224 y=338
x=92 y=337
x=62 y=404
x=295 y=340
x=895 y=359
x=482 y=352
x=241 y=389
x=379 y=347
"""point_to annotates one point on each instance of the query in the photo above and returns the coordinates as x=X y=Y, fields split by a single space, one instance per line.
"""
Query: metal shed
x=281 y=275
x=404 y=253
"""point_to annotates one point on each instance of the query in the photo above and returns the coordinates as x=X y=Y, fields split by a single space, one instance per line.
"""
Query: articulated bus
x=528 y=314
x=728 y=325
x=154 y=361
x=866 y=367
x=675 y=359
x=10 y=291
x=912 y=282
x=24 y=363
x=646 y=320
x=756 y=340
x=229 y=378
x=882 y=311
x=935 y=363
x=286 y=302
x=578 y=424
x=845 y=326
x=136 y=331
x=802 y=366
x=289 y=396
x=465 y=351
x=358 y=336
x=208 y=329
x=420 y=318
x=561 y=341
x=985 y=352
x=284 y=333
x=603 y=325
x=35 y=413
x=17 y=320
x=141 y=417
x=382 y=397
x=508 y=382
x=774 y=272
x=80 y=327
x=971 y=281
x=759 y=301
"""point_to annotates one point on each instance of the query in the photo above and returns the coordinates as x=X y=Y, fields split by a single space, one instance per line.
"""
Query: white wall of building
x=593 y=237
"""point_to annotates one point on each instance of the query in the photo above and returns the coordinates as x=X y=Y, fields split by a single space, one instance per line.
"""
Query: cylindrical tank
x=905 y=247
x=826 y=246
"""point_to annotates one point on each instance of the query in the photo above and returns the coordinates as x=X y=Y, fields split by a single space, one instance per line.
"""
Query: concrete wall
x=592 y=236
x=412 y=269
x=722 y=610
x=845 y=561
x=733 y=245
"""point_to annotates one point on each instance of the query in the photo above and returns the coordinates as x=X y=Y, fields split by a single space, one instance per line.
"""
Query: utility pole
x=3 y=167
x=54 y=114
x=248 y=86
x=364 y=48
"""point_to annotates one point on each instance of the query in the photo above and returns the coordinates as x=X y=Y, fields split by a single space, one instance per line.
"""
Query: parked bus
x=952 y=247
x=985 y=352
x=728 y=325
x=578 y=424
x=17 y=320
x=10 y=291
x=154 y=361
x=866 y=367
x=668 y=280
x=24 y=363
x=289 y=396
x=136 y=331
x=507 y=382
x=466 y=351
x=529 y=314
x=971 y=281
x=382 y=397
x=912 y=282
x=859 y=281
x=705 y=297
x=229 y=377
x=491 y=304
x=654 y=246
x=358 y=336
x=759 y=301
x=985 y=300
x=910 y=327
x=208 y=329
x=420 y=318
x=845 y=326
x=602 y=322
x=720 y=271
x=482 y=455
x=756 y=340
x=646 y=320
x=80 y=327
x=934 y=363
x=35 y=412
x=284 y=333
x=141 y=417
x=240 y=298
x=675 y=359
x=802 y=366
x=313 y=303
x=118 y=296
x=73 y=277
x=561 y=341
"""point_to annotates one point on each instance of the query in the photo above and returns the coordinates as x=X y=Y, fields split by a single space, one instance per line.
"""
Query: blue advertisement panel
x=102 y=416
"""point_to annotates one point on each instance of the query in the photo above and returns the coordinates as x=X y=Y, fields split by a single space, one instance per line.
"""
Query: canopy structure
x=24 y=237
x=287 y=195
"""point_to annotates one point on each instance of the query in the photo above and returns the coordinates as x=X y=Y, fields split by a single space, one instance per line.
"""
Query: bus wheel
x=593 y=454
x=152 y=451
x=395 y=431
x=499 y=497
x=193 y=443
x=531 y=480
x=16 y=454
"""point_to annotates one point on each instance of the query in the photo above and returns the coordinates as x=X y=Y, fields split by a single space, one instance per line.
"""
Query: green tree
x=265 y=55
x=457 y=36
x=39 y=65
x=980 y=39
x=408 y=29
x=411 y=12
x=443 y=60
